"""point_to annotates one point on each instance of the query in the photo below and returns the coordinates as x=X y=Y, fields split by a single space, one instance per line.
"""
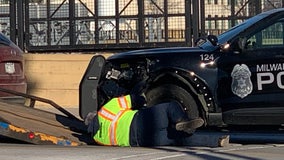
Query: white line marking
x=136 y=155
x=171 y=156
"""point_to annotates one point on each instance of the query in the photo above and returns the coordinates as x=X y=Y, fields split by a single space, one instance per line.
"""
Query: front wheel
x=169 y=92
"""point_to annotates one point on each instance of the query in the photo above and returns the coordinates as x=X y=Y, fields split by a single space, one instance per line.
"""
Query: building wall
x=56 y=76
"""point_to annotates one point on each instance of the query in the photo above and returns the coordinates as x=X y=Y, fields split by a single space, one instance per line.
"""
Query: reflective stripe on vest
x=123 y=103
x=113 y=114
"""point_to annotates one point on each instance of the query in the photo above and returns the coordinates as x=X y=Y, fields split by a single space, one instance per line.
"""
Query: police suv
x=236 y=78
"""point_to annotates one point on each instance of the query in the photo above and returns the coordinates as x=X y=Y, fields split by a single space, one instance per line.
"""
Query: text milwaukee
x=270 y=67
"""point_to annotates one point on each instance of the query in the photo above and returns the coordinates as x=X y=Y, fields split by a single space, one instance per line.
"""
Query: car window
x=271 y=36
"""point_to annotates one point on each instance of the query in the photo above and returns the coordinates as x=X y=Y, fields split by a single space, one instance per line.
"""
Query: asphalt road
x=234 y=151
x=250 y=145
x=243 y=145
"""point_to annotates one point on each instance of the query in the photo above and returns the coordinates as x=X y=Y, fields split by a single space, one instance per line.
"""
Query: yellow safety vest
x=115 y=118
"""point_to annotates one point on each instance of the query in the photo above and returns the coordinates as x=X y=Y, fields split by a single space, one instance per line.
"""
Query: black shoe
x=189 y=126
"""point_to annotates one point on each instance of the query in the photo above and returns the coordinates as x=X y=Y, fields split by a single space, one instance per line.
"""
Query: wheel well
x=168 y=78
x=184 y=82
x=170 y=92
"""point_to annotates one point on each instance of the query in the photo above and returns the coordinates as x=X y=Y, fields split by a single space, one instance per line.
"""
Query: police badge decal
x=241 y=82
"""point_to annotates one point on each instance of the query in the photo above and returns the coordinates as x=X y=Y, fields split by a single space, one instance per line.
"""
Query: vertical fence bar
x=20 y=27
x=48 y=23
x=188 y=23
x=72 y=10
x=202 y=18
x=195 y=19
x=141 y=16
x=117 y=16
x=233 y=16
x=97 y=39
x=165 y=15
x=13 y=14
x=257 y=7
x=26 y=24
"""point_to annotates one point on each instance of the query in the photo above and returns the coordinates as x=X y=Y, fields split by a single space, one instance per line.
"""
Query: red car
x=12 y=75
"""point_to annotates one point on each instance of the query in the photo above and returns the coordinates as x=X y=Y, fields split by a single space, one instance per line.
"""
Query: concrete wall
x=56 y=76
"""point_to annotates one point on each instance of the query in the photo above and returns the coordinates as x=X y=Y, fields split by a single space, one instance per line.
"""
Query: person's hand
x=89 y=118
x=92 y=122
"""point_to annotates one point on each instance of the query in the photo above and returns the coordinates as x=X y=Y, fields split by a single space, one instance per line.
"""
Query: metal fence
x=80 y=25
x=105 y=24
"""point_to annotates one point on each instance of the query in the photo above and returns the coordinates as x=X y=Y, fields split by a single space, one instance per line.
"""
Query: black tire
x=169 y=92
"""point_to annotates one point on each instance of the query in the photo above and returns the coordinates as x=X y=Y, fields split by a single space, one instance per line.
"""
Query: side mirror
x=212 y=39
x=199 y=41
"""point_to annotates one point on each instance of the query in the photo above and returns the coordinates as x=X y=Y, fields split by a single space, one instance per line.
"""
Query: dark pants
x=155 y=126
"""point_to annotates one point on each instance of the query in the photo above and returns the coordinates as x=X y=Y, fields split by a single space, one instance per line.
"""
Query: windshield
x=231 y=33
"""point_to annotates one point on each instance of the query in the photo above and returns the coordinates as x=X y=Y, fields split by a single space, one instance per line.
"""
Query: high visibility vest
x=115 y=118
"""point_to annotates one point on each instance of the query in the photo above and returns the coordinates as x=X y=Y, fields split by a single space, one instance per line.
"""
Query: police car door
x=251 y=79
